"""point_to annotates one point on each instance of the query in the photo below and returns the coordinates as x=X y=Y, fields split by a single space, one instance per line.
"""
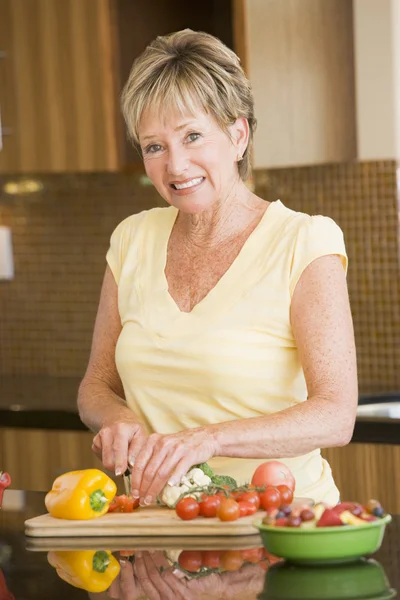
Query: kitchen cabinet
x=63 y=68
x=35 y=457
x=365 y=471
x=299 y=58
x=58 y=82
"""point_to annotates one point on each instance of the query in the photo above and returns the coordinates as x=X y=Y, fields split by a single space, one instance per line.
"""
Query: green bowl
x=364 y=579
x=322 y=545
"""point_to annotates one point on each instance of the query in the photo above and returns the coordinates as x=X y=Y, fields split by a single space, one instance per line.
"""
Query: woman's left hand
x=167 y=458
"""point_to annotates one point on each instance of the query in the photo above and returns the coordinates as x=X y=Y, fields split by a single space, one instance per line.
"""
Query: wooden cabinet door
x=58 y=86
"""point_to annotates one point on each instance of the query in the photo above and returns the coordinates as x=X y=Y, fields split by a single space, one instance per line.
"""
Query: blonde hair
x=187 y=70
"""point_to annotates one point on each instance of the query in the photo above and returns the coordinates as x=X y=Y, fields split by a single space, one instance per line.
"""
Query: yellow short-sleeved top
x=234 y=355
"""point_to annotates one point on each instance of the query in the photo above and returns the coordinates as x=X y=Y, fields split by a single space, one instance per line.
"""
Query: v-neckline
x=222 y=281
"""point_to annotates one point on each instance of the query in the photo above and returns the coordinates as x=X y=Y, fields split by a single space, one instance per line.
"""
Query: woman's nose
x=177 y=161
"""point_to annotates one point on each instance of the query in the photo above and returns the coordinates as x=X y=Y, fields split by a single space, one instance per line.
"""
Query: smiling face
x=189 y=159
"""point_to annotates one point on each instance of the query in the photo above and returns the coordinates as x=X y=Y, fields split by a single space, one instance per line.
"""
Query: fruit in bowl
x=322 y=515
x=324 y=533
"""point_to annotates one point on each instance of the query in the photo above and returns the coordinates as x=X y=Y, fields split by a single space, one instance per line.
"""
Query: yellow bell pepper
x=80 y=495
x=90 y=570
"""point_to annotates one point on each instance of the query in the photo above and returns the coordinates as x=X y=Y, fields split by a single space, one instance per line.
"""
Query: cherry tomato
x=273 y=473
x=211 y=559
x=251 y=508
x=286 y=494
x=190 y=560
x=231 y=560
x=252 y=555
x=209 y=505
x=271 y=498
x=252 y=497
x=228 y=510
x=187 y=508
x=243 y=506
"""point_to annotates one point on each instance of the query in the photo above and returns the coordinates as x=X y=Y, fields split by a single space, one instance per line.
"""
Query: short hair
x=186 y=70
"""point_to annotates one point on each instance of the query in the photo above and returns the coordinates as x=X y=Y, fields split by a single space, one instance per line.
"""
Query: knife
x=127 y=482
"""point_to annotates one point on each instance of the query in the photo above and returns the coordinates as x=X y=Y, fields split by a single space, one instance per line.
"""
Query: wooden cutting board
x=149 y=521
x=206 y=542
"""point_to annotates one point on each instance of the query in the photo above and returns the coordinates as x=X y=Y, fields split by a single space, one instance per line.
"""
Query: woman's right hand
x=118 y=444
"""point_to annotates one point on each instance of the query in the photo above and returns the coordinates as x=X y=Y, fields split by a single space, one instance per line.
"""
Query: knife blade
x=127 y=482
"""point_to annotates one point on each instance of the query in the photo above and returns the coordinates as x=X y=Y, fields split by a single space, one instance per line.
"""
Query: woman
x=224 y=331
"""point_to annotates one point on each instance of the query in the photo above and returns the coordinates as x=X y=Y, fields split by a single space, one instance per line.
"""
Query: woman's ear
x=240 y=135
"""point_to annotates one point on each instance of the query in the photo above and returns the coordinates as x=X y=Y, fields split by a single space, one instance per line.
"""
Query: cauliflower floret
x=173 y=555
x=171 y=494
x=198 y=477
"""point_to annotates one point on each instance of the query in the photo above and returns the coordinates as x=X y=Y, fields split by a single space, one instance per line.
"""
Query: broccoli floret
x=224 y=480
x=207 y=470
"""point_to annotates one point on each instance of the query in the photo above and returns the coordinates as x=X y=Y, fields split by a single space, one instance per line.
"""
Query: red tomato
x=209 y=505
x=252 y=497
x=123 y=503
x=273 y=473
x=252 y=555
x=190 y=560
x=251 y=508
x=231 y=560
x=187 y=508
x=211 y=559
x=243 y=506
x=271 y=498
x=228 y=510
x=286 y=494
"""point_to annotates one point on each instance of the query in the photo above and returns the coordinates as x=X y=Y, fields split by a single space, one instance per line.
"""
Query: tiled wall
x=61 y=235
x=362 y=199
x=60 y=238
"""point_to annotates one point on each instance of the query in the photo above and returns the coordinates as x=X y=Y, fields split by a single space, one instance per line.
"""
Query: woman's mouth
x=188 y=186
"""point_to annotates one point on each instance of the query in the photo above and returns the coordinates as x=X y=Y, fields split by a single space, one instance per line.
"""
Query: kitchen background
x=326 y=79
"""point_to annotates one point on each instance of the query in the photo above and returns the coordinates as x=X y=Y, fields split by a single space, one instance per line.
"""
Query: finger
x=178 y=586
x=128 y=585
x=114 y=589
x=181 y=468
x=144 y=579
x=140 y=464
x=107 y=452
x=155 y=475
x=159 y=471
x=155 y=576
x=136 y=444
x=120 y=448
x=96 y=446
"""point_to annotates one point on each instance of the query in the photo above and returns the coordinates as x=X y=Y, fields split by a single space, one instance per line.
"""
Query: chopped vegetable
x=90 y=570
x=80 y=495
x=123 y=504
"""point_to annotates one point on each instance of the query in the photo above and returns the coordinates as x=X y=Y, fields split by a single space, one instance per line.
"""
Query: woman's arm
x=323 y=329
x=101 y=401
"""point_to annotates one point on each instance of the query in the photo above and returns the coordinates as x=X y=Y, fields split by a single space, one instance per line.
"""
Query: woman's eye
x=153 y=149
x=192 y=137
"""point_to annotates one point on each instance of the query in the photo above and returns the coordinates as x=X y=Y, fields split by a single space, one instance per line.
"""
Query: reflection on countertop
x=45 y=402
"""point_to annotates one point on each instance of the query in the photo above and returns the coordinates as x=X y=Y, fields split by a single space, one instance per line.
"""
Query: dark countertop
x=40 y=402
x=29 y=576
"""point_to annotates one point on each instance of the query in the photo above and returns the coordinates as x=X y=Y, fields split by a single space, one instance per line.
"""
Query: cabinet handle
x=3 y=54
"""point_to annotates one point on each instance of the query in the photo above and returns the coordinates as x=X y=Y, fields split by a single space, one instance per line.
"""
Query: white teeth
x=188 y=184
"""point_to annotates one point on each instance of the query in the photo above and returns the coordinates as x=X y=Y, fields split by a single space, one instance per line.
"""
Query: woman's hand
x=167 y=458
x=119 y=444
x=151 y=577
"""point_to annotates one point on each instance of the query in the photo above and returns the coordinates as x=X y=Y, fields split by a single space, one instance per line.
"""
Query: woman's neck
x=227 y=219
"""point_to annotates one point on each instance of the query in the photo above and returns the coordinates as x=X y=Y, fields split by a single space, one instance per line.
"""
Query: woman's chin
x=191 y=206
